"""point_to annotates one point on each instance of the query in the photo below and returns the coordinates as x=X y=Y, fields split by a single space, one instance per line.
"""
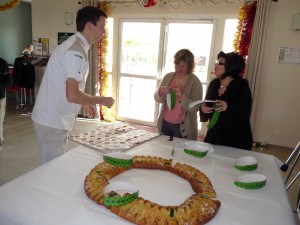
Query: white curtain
x=256 y=52
x=92 y=80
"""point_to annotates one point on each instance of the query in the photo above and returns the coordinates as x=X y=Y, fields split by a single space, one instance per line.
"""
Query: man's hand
x=107 y=101
x=91 y=109
x=75 y=95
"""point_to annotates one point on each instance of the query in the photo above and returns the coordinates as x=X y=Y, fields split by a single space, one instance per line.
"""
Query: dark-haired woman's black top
x=233 y=126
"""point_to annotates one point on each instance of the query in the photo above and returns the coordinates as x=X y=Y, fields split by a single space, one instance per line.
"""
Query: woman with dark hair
x=212 y=90
x=229 y=118
x=179 y=121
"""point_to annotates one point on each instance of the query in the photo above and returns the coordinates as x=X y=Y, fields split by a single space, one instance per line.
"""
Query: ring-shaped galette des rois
x=196 y=210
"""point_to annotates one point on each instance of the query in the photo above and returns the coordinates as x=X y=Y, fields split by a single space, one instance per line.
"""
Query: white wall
x=15 y=28
x=278 y=107
x=48 y=19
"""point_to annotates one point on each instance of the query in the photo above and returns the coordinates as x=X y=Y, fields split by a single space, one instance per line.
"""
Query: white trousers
x=52 y=142
x=2 y=114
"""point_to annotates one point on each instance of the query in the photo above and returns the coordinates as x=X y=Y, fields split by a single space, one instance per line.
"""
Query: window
x=229 y=34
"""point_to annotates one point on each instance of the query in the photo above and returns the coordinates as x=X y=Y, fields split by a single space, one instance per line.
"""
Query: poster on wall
x=289 y=55
x=41 y=46
x=61 y=37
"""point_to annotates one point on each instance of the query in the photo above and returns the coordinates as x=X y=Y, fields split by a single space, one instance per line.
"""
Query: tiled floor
x=20 y=153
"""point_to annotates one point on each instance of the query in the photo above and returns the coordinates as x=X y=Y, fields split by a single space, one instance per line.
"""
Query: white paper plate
x=120 y=187
x=251 y=181
x=200 y=102
x=246 y=163
x=179 y=148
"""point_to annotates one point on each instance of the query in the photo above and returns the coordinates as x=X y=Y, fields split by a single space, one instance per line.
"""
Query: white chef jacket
x=69 y=60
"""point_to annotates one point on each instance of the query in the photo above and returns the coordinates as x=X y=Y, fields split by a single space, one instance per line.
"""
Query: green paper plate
x=193 y=148
x=247 y=167
x=246 y=163
x=119 y=201
x=118 y=159
x=251 y=181
x=198 y=154
x=196 y=149
x=120 y=193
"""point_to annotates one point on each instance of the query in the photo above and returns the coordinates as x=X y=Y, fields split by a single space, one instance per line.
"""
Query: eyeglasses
x=220 y=63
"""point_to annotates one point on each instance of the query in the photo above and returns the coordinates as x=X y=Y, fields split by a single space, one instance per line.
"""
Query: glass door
x=147 y=51
x=197 y=36
x=139 y=64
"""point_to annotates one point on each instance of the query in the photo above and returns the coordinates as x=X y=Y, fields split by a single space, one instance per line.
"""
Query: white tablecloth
x=53 y=194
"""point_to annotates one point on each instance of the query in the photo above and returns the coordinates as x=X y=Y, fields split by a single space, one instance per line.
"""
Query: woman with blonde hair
x=180 y=120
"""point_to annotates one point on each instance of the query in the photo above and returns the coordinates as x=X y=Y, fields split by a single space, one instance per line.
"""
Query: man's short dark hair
x=88 y=14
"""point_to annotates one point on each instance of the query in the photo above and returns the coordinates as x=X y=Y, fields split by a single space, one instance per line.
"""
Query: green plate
x=120 y=193
x=251 y=181
x=119 y=201
x=246 y=167
x=246 y=163
x=118 y=159
x=198 y=154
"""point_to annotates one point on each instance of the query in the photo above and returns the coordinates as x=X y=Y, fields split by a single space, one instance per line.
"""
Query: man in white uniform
x=62 y=89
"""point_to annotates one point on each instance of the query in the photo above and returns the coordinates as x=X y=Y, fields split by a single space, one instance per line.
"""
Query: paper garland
x=243 y=35
x=105 y=112
x=9 y=5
